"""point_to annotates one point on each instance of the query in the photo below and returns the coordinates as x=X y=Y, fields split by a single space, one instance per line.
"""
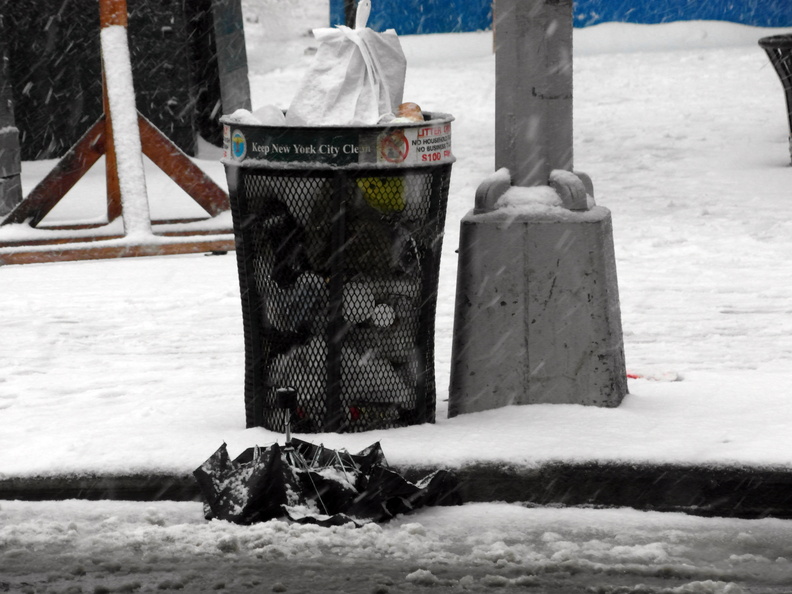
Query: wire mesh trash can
x=779 y=50
x=338 y=236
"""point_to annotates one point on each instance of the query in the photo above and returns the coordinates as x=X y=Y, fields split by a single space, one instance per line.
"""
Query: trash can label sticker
x=237 y=145
x=392 y=147
x=429 y=144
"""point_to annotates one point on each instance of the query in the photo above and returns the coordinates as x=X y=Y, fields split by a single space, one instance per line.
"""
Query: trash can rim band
x=323 y=169
x=412 y=144
x=430 y=117
x=783 y=41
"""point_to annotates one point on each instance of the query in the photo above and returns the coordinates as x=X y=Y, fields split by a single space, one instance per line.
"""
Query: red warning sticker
x=393 y=147
x=425 y=144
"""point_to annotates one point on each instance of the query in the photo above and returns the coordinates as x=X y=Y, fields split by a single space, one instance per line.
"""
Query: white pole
x=124 y=120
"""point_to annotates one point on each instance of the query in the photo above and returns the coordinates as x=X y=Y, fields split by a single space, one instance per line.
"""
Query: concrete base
x=10 y=164
x=537 y=314
x=10 y=194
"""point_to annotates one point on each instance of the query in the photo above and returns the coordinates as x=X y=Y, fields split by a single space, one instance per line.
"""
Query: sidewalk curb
x=738 y=492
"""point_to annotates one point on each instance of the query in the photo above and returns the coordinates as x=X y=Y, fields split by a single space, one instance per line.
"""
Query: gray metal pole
x=231 y=55
x=10 y=155
x=533 y=98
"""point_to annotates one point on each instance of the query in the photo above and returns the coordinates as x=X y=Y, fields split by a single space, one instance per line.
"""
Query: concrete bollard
x=537 y=312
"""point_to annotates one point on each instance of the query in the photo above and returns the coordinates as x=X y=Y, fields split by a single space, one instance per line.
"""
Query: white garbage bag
x=356 y=78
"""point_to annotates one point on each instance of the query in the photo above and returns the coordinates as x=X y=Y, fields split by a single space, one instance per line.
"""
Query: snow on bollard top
x=538 y=204
x=565 y=199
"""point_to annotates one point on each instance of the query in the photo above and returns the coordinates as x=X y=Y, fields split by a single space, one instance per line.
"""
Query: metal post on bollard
x=533 y=97
x=537 y=315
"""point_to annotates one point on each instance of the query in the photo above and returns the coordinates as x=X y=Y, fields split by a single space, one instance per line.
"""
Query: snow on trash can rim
x=387 y=146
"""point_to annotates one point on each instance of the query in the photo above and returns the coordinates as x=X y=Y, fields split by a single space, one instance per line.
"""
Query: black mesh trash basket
x=338 y=234
x=779 y=50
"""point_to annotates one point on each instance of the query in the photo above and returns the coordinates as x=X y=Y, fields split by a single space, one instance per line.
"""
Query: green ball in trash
x=386 y=194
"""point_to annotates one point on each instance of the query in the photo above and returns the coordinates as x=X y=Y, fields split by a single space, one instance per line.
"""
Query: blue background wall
x=443 y=16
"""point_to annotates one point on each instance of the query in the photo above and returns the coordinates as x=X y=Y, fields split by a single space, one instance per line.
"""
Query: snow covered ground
x=136 y=365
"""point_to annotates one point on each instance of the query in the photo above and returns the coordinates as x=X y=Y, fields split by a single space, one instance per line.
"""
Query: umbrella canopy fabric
x=307 y=483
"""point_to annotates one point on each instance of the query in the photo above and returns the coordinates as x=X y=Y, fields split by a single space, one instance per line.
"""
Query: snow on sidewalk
x=137 y=365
